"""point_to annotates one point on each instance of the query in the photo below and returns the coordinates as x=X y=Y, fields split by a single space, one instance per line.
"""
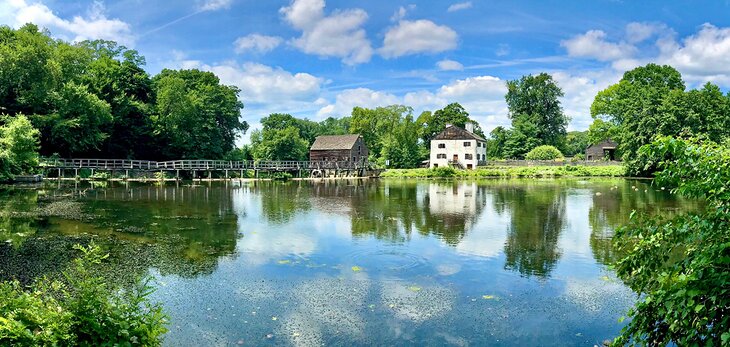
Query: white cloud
x=339 y=34
x=213 y=5
x=449 y=65
x=502 y=50
x=460 y=6
x=593 y=44
x=580 y=90
x=94 y=25
x=704 y=56
x=257 y=43
x=362 y=97
x=401 y=12
x=482 y=96
x=419 y=36
x=638 y=32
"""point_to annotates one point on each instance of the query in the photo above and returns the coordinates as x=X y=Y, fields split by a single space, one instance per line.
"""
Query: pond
x=349 y=262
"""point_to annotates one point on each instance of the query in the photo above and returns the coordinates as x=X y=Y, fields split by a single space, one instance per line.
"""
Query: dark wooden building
x=339 y=148
x=605 y=150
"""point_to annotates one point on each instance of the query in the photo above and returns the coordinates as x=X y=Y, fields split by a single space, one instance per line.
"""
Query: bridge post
x=60 y=176
x=177 y=175
x=126 y=175
x=76 y=173
x=241 y=176
x=226 y=174
x=210 y=175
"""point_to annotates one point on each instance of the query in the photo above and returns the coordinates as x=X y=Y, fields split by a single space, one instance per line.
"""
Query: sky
x=320 y=58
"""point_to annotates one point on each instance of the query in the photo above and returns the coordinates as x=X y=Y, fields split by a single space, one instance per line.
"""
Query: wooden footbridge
x=203 y=167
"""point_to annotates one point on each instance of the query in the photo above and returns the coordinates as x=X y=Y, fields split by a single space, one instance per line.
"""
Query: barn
x=605 y=150
x=346 y=148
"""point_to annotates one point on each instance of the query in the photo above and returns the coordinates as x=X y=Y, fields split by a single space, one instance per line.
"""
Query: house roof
x=453 y=132
x=336 y=142
x=605 y=144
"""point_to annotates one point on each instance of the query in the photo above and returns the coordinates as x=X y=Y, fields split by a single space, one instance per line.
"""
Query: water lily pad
x=489 y=297
x=356 y=268
x=414 y=288
x=285 y=261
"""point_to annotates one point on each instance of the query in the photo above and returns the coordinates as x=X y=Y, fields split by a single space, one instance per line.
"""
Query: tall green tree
x=19 y=145
x=576 y=142
x=197 y=117
x=434 y=123
x=496 y=143
x=601 y=130
x=634 y=104
x=279 y=144
x=390 y=133
x=535 y=99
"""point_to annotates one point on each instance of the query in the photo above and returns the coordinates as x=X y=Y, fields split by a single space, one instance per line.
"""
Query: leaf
x=285 y=261
x=414 y=288
x=356 y=268
x=488 y=297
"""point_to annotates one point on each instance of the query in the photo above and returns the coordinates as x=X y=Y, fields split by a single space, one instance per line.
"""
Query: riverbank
x=524 y=171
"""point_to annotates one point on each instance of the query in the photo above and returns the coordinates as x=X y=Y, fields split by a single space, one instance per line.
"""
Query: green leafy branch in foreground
x=82 y=310
x=681 y=266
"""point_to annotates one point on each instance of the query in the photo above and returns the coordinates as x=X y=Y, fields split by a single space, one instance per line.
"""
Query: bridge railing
x=126 y=164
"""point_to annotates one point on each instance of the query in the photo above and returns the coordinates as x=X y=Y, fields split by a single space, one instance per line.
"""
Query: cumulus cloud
x=213 y=5
x=593 y=44
x=701 y=57
x=257 y=43
x=93 y=25
x=460 y=6
x=482 y=96
x=339 y=34
x=419 y=36
x=704 y=56
x=580 y=89
x=449 y=65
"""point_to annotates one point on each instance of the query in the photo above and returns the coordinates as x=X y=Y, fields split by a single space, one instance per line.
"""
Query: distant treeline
x=94 y=99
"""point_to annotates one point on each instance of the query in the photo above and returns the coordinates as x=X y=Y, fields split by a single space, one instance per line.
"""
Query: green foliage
x=82 y=310
x=544 y=153
x=535 y=100
x=576 y=143
x=496 y=143
x=601 y=130
x=434 y=123
x=390 y=133
x=197 y=115
x=279 y=144
x=681 y=266
x=18 y=147
x=651 y=100
x=512 y=171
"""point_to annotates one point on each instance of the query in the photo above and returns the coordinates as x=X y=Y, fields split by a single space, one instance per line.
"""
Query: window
x=435 y=165
x=479 y=144
x=468 y=157
x=469 y=166
x=442 y=145
x=359 y=150
x=441 y=156
x=467 y=144
x=354 y=159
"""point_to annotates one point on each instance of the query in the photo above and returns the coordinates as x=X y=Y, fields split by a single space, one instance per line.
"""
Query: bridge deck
x=146 y=165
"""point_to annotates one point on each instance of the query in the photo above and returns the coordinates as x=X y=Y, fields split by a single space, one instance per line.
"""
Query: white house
x=458 y=147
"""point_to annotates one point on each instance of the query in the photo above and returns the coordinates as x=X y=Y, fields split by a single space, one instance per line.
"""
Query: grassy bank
x=519 y=171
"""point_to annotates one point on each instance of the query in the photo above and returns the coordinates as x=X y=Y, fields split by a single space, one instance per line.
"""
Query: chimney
x=469 y=127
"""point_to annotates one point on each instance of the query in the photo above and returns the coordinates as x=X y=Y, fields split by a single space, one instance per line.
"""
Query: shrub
x=82 y=310
x=444 y=171
x=681 y=266
x=544 y=153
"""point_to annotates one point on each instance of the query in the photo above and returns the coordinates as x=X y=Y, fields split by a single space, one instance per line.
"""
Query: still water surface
x=389 y=262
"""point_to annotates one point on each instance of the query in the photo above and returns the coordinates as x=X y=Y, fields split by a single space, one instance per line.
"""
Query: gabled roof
x=605 y=144
x=334 y=142
x=453 y=132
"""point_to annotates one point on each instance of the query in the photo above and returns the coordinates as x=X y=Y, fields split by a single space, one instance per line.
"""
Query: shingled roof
x=336 y=142
x=453 y=132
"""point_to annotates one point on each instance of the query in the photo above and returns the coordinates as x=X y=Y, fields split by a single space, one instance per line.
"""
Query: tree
x=77 y=126
x=522 y=138
x=634 y=105
x=453 y=114
x=576 y=142
x=496 y=143
x=20 y=140
x=535 y=100
x=390 y=133
x=601 y=130
x=279 y=144
x=197 y=117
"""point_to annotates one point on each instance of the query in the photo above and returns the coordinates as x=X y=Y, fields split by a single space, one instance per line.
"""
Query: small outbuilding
x=349 y=148
x=605 y=150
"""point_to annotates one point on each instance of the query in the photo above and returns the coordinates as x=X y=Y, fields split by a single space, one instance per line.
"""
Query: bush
x=19 y=143
x=544 y=153
x=83 y=310
x=681 y=266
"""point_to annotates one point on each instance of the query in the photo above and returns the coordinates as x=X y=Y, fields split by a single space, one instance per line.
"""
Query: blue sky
x=319 y=58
